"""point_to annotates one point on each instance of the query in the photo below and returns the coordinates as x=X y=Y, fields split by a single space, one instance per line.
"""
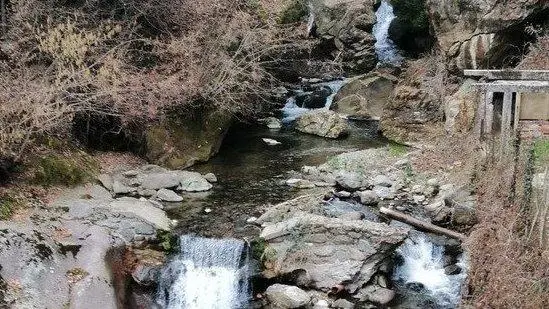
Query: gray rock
x=143 y=210
x=271 y=123
x=343 y=194
x=321 y=304
x=352 y=215
x=382 y=180
x=193 y=182
x=97 y=192
x=384 y=193
x=438 y=211
x=145 y=275
x=300 y=183
x=368 y=197
x=376 y=294
x=452 y=270
x=349 y=250
x=286 y=296
x=349 y=181
x=418 y=199
x=119 y=188
x=146 y=192
x=322 y=123
x=210 y=177
x=106 y=180
x=343 y=304
x=167 y=195
x=130 y=173
x=156 y=181
x=433 y=182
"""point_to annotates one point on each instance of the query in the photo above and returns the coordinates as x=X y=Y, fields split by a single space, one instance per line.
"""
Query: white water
x=291 y=111
x=207 y=274
x=423 y=263
x=385 y=48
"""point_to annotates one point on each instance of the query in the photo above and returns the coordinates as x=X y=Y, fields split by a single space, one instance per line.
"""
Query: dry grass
x=538 y=55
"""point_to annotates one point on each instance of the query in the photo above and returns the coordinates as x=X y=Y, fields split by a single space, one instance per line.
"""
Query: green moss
x=541 y=151
x=413 y=14
x=7 y=207
x=61 y=170
x=294 y=12
x=397 y=150
x=168 y=241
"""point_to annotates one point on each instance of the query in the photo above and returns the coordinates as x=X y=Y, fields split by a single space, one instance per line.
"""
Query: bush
x=294 y=12
x=7 y=207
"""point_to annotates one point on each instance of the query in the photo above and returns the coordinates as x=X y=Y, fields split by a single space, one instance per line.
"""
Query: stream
x=213 y=267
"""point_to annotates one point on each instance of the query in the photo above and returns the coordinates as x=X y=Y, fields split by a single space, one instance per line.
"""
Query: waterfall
x=207 y=273
x=385 y=48
x=424 y=264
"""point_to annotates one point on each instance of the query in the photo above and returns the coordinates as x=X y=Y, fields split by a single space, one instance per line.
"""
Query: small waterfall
x=291 y=111
x=424 y=264
x=207 y=273
x=385 y=48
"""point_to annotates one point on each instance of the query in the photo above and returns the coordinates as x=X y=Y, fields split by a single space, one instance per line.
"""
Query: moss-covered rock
x=183 y=140
x=72 y=168
x=294 y=11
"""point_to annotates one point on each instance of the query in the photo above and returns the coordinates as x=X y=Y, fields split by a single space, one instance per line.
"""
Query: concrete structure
x=509 y=96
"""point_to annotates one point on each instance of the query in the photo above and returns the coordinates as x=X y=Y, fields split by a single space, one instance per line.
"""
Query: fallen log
x=420 y=224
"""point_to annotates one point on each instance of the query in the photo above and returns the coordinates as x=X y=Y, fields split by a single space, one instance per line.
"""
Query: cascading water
x=292 y=111
x=207 y=273
x=424 y=265
x=385 y=48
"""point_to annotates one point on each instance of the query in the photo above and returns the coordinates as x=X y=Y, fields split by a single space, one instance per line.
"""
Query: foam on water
x=385 y=48
x=424 y=264
x=291 y=111
x=208 y=273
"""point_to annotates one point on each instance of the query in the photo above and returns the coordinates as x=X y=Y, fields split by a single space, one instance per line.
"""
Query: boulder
x=350 y=181
x=193 y=182
x=365 y=96
x=343 y=304
x=146 y=275
x=347 y=25
x=368 y=197
x=317 y=99
x=210 y=177
x=156 y=181
x=459 y=109
x=144 y=210
x=286 y=296
x=168 y=196
x=330 y=250
x=180 y=141
x=322 y=123
x=384 y=193
x=382 y=180
x=376 y=294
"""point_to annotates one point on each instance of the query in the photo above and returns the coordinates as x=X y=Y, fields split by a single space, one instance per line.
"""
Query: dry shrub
x=507 y=269
x=131 y=59
x=538 y=55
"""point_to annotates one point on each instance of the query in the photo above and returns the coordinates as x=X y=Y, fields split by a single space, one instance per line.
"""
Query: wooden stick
x=420 y=224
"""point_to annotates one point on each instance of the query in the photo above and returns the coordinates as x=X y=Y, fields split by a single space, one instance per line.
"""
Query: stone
x=317 y=99
x=210 y=177
x=286 y=296
x=368 y=197
x=365 y=96
x=272 y=123
x=167 y=195
x=343 y=194
x=459 y=109
x=145 y=275
x=300 y=183
x=193 y=182
x=352 y=215
x=322 y=123
x=438 y=211
x=270 y=141
x=349 y=181
x=321 y=304
x=143 y=210
x=418 y=199
x=382 y=180
x=184 y=139
x=146 y=192
x=156 y=181
x=376 y=294
x=130 y=173
x=119 y=188
x=343 y=304
x=384 y=193
x=433 y=182
x=349 y=250
x=452 y=270
x=106 y=180
x=463 y=206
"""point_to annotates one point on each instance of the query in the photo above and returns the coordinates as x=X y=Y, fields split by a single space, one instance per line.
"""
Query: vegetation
x=168 y=241
x=294 y=12
x=56 y=169
x=541 y=151
x=134 y=60
x=397 y=150
x=7 y=207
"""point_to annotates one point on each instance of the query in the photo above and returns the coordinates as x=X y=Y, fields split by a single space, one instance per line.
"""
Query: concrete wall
x=534 y=106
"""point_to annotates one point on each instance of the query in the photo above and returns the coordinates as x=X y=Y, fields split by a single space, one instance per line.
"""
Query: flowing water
x=207 y=274
x=386 y=49
x=422 y=271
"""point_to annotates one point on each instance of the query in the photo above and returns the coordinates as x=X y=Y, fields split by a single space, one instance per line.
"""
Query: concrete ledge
x=514 y=86
x=510 y=74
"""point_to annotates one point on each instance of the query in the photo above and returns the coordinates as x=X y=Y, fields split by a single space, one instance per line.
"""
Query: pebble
x=251 y=219
x=207 y=210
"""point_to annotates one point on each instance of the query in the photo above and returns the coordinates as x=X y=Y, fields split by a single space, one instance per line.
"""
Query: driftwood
x=420 y=224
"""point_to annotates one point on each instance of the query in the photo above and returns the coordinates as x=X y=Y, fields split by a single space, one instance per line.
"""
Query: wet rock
x=286 y=296
x=271 y=123
x=193 y=182
x=343 y=304
x=270 y=141
x=415 y=286
x=368 y=197
x=382 y=180
x=210 y=177
x=376 y=294
x=156 y=181
x=322 y=123
x=146 y=275
x=317 y=99
x=168 y=196
x=452 y=270
x=438 y=211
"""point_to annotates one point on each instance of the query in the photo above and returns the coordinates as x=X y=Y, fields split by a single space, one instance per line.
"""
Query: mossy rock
x=184 y=140
x=7 y=207
x=294 y=11
x=65 y=169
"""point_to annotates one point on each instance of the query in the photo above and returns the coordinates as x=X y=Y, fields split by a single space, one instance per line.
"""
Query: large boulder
x=323 y=123
x=459 y=109
x=286 y=296
x=365 y=96
x=478 y=33
x=347 y=24
x=332 y=251
x=183 y=140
